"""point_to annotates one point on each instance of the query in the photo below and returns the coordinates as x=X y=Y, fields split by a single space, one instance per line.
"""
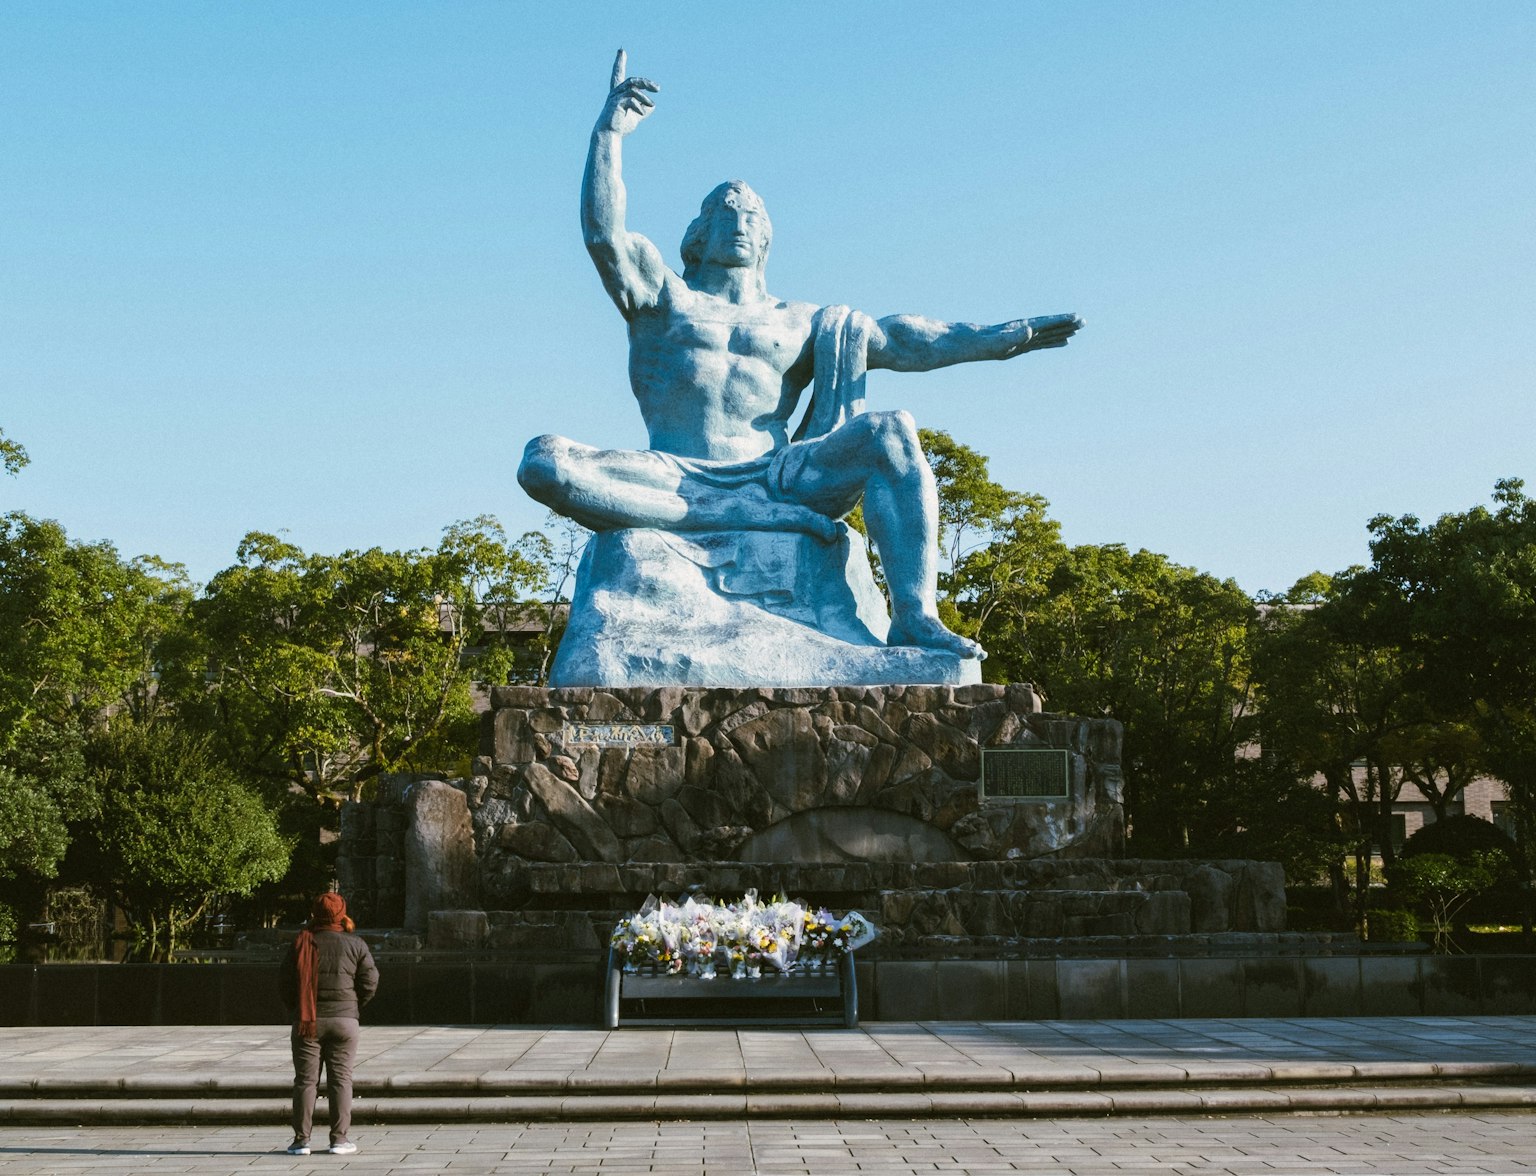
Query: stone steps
x=1139 y=1089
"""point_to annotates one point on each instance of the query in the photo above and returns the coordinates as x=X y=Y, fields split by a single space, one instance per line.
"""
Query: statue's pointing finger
x=633 y=85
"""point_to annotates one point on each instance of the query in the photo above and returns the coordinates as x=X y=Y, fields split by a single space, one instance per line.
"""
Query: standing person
x=327 y=974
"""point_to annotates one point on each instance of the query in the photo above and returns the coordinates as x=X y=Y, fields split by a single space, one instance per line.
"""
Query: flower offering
x=697 y=936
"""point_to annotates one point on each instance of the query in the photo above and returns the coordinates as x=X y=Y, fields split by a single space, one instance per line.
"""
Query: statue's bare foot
x=928 y=632
x=753 y=510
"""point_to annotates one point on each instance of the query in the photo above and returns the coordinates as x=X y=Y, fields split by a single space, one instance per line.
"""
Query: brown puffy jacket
x=345 y=970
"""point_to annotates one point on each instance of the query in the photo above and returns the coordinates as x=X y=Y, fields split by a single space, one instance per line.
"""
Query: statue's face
x=738 y=231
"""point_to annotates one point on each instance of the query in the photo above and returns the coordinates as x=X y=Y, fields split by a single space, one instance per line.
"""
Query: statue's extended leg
x=607 y=489
x=879 y=453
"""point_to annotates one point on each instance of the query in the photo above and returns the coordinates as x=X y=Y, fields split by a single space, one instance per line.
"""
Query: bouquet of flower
x=698 y=938
x=638 y=939
x=825 y=936
x=748 y=934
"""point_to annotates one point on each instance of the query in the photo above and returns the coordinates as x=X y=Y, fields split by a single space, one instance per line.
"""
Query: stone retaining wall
x=423 y=991
x=864 y=798
x=899 y=765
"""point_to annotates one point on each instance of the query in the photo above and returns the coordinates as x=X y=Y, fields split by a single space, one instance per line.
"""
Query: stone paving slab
x=1489 y=1143
x=965 y=1052
x=781 y=1104
x=904 y=1070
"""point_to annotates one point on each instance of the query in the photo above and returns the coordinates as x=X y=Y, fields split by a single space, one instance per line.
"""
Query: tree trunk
x=1386 y=796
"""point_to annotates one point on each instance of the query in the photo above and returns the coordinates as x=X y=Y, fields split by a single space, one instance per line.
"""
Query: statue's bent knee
x=895 y=437
x=542 y=472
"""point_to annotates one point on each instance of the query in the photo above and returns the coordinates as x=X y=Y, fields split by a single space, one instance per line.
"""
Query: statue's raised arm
x=630 y=266
x=909 y=343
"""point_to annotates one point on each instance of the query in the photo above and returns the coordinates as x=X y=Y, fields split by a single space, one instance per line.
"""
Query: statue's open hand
x=628 y=100
x=1052 y=330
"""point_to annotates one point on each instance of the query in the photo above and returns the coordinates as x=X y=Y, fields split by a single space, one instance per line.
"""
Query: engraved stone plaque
x=617 y=734
x=1024 y=773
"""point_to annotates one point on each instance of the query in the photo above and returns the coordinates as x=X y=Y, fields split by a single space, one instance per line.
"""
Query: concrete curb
x=779 y=1105
x=641 y=1083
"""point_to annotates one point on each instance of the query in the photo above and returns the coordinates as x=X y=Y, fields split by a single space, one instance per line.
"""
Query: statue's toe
x=928 y=632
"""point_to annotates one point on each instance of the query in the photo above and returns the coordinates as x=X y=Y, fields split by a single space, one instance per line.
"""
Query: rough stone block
x=576 y=818
x=735 y=608
x=537 y=841
x=441 y=871
x=1210 y=897
x=449 y=930
x=1261 y=897
x=1166 y=912
x=626 y=817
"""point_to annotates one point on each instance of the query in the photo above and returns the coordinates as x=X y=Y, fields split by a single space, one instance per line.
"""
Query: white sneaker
x=345 y=1148
x=299 y=1147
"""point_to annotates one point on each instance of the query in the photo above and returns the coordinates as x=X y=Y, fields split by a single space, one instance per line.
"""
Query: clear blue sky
x=316 y=267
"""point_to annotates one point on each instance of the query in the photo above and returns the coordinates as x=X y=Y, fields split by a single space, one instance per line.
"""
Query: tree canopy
x=1463 y=592
x=323 y=671
x=176 y=828
x=12 y=456
x=164 y=744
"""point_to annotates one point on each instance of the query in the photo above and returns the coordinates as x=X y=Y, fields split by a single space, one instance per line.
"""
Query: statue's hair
x=693 y=239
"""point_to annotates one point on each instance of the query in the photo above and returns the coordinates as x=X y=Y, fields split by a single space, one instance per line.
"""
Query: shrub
x=1447 y=884
x=1460 y=837
x=1391 y=926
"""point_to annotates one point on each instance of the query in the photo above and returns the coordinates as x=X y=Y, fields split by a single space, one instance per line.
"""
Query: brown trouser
x=335 y=1044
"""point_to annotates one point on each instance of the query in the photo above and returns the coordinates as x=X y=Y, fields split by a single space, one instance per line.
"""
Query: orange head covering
x=329 y=913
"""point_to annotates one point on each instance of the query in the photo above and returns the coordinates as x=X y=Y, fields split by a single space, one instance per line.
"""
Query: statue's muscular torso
x=717 y=379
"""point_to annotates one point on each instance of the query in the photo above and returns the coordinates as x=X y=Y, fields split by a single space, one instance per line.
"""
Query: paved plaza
x=1071 y=1097
x=915 y=1053
x=1363 y=1145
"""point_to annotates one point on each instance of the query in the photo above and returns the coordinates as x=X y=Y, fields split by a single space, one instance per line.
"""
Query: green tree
x=1445 y=884
x=177 y=828
x=1467 y=587
x=1439 y=757
x=79 y=626
x=43 y=786
x=997 y=546
x=1336 y=702
x=322 y=671
x=1162 y=648
x=78 y=632
x=1100 y=630
x=1269 y=812
x=12 y=456
x=558 y=556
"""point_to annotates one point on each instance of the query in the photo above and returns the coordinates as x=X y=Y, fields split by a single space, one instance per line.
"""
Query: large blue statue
x=720 y=559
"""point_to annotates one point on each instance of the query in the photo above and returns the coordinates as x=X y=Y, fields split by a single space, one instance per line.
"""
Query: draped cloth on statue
x=840 y=348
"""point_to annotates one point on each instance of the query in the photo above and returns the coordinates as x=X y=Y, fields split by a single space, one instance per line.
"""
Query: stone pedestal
x=885 y=773
x=585 y=801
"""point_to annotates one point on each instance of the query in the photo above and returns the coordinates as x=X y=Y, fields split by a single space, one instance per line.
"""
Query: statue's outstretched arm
x=910 y=343
x=630 y=266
